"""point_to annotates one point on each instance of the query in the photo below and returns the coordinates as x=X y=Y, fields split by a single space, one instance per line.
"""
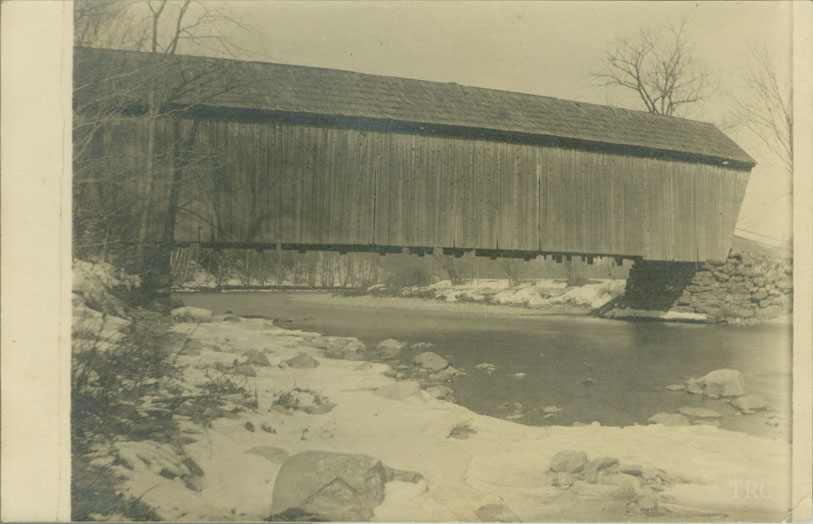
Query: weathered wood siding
x=290 y=183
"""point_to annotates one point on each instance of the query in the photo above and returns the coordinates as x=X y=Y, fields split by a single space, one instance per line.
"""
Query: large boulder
x=495 y=513
x=723 y=383
x=302 y=361
x=255 y=357
x=330 y=486
x=446 y=374
x=568 y=461
x=345 y=348
x=191 y=314
x=441 y=392
x=430 y=361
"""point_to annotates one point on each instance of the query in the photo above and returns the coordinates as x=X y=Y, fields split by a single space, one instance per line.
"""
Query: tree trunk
x=144 y=221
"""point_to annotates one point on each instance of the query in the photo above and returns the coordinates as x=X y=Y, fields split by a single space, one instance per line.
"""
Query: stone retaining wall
x=747 y=287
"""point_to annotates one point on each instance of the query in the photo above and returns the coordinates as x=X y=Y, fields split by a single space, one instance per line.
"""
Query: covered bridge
x=310 y=158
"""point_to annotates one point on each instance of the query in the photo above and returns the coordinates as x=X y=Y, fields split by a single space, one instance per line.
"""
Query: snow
x=500 y=462
x=541 y=293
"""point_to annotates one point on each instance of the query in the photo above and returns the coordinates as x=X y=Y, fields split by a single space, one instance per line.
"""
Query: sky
x=545 y=48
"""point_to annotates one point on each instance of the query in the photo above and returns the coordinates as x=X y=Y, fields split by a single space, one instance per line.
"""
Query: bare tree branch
x=766 y=107
x=659 y=67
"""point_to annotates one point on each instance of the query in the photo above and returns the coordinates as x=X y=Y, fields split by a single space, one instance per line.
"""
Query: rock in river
x=488 y=368
x=441 y=392
x=723 y=383
x=430 y=361
x=390 y=348
x=446 y=374
x=750 y=403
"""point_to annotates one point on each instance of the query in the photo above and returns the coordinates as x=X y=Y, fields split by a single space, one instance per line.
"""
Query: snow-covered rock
x=568 y=460
x=441 y=392
x=488 y=368
x=668 y=419
x=97 y=283
x=302 y=361
x=495 y=513
x=430 y=361
x=590 y=470
x=446 y=374
x=691 y=411
x=191 y=314
x=401 y=390
x=723 y=383
x=749 y=403
x=270 y=453
x=693 y=387
x=255 y=357
x=390 y=347
x=347 y=348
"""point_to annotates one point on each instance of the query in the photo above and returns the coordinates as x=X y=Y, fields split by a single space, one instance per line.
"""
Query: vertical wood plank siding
x=289 y=183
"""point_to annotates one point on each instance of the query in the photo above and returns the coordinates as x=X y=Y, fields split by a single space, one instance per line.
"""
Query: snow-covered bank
x=289 y=398
x=538 y=294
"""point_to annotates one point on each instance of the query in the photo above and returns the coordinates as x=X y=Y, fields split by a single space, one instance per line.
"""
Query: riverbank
x=542 y=296
x=466 y=461
x=290 y=398
x=243 y=419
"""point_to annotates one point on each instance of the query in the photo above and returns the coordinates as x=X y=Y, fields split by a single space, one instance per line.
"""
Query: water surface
x=609 y=371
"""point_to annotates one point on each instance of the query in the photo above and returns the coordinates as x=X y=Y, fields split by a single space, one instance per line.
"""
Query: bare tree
x=163 y=89
x=659 y=66
x=766 y=106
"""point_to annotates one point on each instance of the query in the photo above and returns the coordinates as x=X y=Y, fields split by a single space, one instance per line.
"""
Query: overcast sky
x=545 y=48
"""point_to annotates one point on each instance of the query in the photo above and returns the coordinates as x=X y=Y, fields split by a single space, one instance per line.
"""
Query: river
x=609 y=371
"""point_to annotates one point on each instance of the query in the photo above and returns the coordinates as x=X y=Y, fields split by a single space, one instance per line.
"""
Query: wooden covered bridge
x=308 y=158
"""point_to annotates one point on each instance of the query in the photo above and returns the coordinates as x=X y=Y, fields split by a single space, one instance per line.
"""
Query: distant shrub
x=407 y=271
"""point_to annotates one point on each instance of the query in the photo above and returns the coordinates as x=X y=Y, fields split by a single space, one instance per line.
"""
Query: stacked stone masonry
x=747 y=287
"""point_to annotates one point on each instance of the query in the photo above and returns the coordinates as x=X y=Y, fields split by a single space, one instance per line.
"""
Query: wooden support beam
x=456 y=251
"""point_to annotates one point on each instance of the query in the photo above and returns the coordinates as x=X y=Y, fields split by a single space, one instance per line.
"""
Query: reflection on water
x=613 y=372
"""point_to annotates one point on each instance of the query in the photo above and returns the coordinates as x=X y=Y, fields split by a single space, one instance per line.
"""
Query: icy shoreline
x=497 y=463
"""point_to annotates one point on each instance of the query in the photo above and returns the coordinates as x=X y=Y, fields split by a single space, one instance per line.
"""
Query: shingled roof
x=274 y=87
